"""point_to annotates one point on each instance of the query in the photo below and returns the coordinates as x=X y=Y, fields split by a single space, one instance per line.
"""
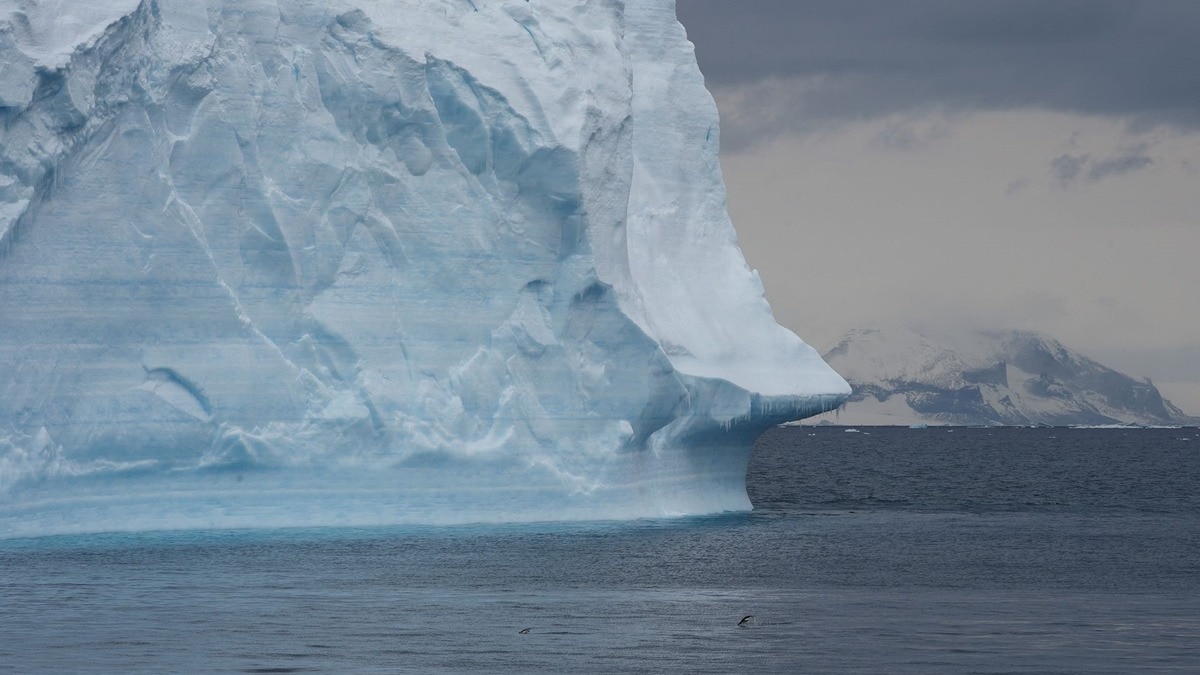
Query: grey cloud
x=1179 y=363
x=1017 y=186
x=821 y=62
x=907 y=136
x=1123 y=164
x=1066 y=168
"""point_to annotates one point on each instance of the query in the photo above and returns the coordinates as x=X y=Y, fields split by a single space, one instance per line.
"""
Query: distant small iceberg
x=851 y=430
x=918 y=425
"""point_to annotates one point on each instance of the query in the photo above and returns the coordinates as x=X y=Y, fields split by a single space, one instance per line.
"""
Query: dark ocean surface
x=882 y=551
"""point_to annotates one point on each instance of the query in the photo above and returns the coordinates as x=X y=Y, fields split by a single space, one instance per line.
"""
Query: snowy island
x=992 y=378
x=371 y=261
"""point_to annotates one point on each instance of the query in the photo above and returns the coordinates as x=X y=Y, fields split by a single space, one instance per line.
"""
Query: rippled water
x=888 y=550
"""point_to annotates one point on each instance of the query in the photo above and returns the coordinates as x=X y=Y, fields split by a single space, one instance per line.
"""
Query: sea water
x=888 y=550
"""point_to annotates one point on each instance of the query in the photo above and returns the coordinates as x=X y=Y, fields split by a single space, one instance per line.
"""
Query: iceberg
x=359 y=262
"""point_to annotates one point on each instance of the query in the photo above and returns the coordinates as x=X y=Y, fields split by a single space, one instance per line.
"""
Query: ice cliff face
x=275 y=262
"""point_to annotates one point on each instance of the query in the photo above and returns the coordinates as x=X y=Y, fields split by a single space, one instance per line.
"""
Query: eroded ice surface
x=274 y=262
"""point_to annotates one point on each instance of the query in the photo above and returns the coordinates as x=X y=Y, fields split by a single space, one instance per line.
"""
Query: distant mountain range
x=1012 y=378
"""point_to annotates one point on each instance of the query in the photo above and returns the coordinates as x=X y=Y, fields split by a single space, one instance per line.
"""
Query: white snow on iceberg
x=269 y=263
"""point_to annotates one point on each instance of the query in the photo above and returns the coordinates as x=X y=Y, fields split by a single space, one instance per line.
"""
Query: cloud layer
x=787 y=66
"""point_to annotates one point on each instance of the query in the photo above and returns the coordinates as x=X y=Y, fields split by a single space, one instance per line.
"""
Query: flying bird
x=746 y=621
x=523 y=631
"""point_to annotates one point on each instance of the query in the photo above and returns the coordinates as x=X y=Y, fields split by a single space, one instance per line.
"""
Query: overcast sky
x=941 y=164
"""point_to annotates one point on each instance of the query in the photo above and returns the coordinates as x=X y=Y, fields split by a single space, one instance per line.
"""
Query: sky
x=942 y=165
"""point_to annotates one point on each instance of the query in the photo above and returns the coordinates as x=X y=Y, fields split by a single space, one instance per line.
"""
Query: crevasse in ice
x=280 y=262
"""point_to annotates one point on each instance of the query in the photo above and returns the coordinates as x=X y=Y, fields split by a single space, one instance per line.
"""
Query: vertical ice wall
x=281 y=262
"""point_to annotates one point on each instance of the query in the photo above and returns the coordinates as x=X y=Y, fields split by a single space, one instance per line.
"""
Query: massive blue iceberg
x=283 y=262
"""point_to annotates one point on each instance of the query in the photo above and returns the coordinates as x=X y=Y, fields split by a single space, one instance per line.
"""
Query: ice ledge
x=802 y=379
x=693 y=464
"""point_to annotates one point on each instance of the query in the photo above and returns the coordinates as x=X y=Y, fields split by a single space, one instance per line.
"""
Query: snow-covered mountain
x=995 y=378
